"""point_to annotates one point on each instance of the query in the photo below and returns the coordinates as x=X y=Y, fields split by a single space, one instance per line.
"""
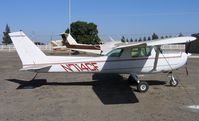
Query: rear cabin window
x=141 y=51
x=115 y=53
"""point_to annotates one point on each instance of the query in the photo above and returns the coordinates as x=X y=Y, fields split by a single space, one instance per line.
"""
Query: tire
x=174 y=82
x=143 y=87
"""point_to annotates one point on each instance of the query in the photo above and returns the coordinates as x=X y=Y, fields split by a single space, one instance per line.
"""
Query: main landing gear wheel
x=142 y=87
x=173 y=82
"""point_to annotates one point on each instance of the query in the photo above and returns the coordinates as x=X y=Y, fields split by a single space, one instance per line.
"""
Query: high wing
x=169 y=41
x=132 y=45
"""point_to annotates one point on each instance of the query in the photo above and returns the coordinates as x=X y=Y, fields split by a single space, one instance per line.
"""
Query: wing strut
x=156 y=57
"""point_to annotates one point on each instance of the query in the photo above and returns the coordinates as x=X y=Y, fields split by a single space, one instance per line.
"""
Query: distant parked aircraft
x=100 y=49
x=57 y=45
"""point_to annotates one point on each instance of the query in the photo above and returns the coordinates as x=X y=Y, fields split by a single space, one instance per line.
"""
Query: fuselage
x=140 y=58
x=124 y=64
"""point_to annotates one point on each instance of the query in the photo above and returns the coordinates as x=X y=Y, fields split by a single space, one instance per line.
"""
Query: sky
x=42 y=20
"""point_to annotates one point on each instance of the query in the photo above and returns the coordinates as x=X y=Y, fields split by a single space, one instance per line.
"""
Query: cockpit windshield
x=115 y=53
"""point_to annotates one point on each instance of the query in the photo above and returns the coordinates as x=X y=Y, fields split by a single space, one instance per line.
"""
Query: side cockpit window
x=141 y=51
x=115 y=53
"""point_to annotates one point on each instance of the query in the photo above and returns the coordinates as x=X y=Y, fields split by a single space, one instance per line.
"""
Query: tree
x=6 y=37
x=193 y=46
x=39 y=43
x=127 y=40
x=131 y=40
x=144 y=39
x=140 y=39
x=195 y=35
x=84 y=32
x=123 y=39
x=162 y=37
x=149 y=38
x=136 y=40
x=155 y=36
x=180 y=35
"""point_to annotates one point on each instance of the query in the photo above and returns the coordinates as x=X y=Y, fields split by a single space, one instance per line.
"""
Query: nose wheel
x=173 y=82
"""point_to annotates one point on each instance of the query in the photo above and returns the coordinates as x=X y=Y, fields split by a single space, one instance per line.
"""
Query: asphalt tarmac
x=94 y=97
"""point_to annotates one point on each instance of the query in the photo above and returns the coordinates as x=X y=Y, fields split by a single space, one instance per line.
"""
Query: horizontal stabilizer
x=35 y=67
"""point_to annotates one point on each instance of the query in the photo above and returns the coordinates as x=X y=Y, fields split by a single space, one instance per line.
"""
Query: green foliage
x=6 y=37
x=140 y=39
x=84 y=32
x=123 y=39
x=155 y=36
x=180 y=35
x=162 y=37
x=193 y=47
x=149 y=38
x=196 y=35
x=136 y=40
x=144 y=39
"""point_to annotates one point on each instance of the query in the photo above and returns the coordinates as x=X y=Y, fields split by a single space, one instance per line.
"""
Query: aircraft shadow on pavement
x=110 y=88
x=113 y=89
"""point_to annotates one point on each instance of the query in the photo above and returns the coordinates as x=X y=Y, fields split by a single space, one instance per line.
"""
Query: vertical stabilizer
x=68 y=38
x=71 y=40
x=28 y=52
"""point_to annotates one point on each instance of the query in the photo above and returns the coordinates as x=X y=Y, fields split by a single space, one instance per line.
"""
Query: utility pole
x=69 y=15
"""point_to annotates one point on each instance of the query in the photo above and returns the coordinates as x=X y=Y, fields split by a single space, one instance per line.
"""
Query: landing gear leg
x=133 y=78
x=142 y=86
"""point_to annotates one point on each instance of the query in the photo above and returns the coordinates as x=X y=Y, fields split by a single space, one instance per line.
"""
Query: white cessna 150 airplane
x=133 y=59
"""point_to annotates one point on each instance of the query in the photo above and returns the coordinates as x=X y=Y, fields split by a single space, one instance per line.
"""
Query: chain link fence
x=10 y=48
